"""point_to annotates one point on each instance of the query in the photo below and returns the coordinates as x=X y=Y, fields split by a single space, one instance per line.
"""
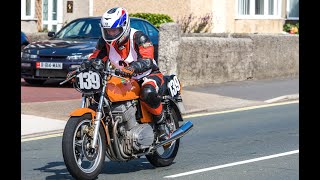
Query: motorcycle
x=112 y=122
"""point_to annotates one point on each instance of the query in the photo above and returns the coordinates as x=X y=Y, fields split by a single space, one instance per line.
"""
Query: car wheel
x=34 y=81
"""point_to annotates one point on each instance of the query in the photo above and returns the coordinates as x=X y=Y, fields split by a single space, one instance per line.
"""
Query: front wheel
x=81 y=161
x=165 y=155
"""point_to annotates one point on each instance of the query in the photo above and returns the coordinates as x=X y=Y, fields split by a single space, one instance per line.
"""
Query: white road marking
x=233 y=164
x=41 y=137
x=280 y=98
x=240 y=109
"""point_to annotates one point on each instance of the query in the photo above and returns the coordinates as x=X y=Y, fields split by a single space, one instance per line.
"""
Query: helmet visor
x=111 y=34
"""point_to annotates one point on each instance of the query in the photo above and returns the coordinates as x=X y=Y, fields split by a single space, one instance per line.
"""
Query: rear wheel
x=81 y=161
x=165 y=155
x=35 y=81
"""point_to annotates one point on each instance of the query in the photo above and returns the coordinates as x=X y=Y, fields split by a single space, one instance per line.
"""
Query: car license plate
x=50 y=65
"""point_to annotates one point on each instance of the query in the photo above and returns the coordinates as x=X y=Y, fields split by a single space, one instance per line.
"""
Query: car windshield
x=81 y=29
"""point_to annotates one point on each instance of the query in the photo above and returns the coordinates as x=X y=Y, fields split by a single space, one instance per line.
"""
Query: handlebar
x=75 y=72
x=67 y=79
x=111 y=72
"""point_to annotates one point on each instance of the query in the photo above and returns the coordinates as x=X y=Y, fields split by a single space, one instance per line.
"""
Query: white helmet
x=115 y=25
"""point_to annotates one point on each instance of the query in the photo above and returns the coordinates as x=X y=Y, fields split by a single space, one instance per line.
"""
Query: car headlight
x=27 y=55
x=78 y=57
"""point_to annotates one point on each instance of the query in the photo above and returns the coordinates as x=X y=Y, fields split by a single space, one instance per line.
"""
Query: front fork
x=94 y=130
x=99 y=113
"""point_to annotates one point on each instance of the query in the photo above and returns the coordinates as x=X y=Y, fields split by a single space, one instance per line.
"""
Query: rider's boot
x=160 y=126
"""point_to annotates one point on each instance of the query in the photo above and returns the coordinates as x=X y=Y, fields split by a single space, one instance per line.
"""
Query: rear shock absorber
x=166 y=107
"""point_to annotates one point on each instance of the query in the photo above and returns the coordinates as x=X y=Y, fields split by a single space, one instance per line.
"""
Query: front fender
x=82 y=111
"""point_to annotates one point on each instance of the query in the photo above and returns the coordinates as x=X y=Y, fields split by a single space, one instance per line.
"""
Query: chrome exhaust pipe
x=181 y=131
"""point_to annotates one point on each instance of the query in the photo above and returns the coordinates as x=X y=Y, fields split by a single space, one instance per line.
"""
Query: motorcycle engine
x=125 y=112
x=141 y=136
x=135 y=136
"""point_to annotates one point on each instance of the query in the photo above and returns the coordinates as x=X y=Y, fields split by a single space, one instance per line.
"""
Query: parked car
x=24 y=40
x=66 y=49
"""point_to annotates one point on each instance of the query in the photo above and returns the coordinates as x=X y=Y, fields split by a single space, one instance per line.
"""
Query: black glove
x=98 y=64
x=85 y=64
x=122 y=73
x=71 y=73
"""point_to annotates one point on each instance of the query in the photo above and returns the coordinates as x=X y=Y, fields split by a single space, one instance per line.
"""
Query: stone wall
x=216 y=58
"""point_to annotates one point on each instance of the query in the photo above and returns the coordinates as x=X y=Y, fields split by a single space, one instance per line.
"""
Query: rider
x=132 y=52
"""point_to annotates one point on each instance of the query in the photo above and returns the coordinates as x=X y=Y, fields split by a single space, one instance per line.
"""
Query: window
x=259 y=8
x=54 y=9
x=73 y=29
x=27 y=9
x=293 y=9
x=54 y=28
x=45 y=10
x=138 y=25
x=52 y=14
x=152 y=31
x=76 y=28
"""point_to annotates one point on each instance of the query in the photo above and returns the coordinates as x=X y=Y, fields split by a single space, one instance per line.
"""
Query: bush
x=155 y=19
x=201 y=25
x=291 y=28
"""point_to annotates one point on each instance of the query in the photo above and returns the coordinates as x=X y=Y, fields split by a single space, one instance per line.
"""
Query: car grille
x=51 y=73
x=52 y=57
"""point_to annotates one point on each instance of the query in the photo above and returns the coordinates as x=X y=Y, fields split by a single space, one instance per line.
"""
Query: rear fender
x=175 y=105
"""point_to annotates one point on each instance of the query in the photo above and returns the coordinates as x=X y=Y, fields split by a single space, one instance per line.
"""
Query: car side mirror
x=51 y=34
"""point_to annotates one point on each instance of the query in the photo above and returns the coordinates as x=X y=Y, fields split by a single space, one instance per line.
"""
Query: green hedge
x=155 y=19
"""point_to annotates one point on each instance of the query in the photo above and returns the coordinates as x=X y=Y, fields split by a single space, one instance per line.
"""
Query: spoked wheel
x=165 y=154
x=81 y=160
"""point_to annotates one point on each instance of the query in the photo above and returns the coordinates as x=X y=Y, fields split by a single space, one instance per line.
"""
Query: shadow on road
x=58 y=173
x=110 y=167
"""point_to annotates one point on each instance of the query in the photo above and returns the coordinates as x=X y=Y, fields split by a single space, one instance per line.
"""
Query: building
x=51 y=15
x=233 y=16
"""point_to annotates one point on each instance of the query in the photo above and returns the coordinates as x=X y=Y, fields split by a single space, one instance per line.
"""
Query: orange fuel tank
x=121 y=90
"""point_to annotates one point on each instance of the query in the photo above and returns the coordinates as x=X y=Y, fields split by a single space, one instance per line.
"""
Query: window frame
x=23 y=10
x=277 y=7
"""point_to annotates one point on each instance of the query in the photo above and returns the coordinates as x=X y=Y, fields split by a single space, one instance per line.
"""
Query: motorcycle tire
x=166 y=159
x=71 y=152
